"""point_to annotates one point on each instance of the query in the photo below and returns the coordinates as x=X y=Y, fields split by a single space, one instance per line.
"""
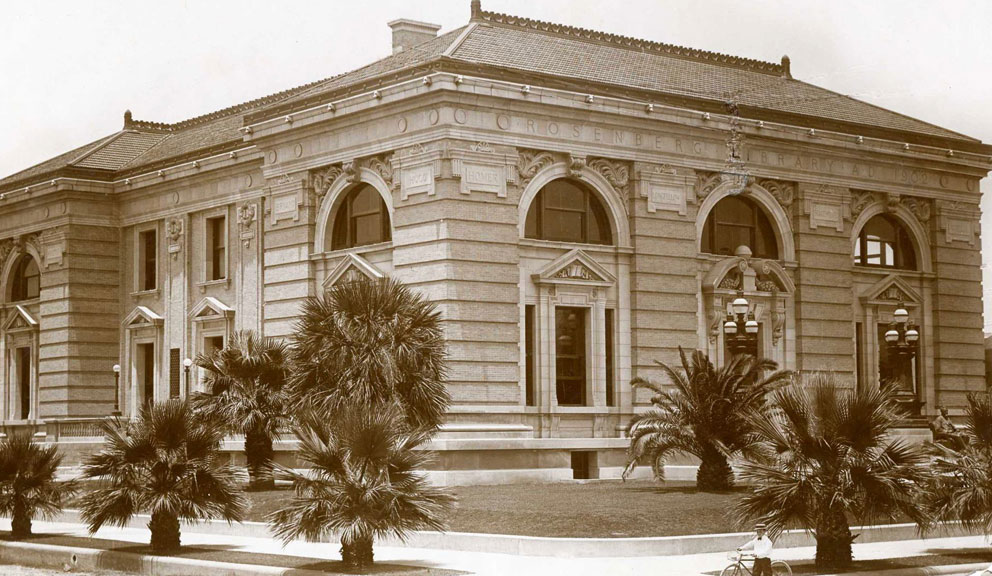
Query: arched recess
x=905 y=217
x=770 y=293
x=8 y=266
x=338 y=190
x=781 y=224
x=619 y=225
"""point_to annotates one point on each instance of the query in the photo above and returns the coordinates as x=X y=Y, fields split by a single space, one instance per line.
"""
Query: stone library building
x=577 y=204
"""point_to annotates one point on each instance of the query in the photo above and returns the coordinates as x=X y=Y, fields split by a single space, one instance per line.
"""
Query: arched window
x=884 y=242
x=362 y=218
x=737 y=221
x=567 y=211
x=25 y=280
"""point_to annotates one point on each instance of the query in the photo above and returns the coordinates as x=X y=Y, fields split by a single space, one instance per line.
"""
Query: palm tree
x=371 y=343
x=828 y=456
x=168 y=463
x=365 y=482
x=960 y=488
x=705 y=414
x=27 y=482
x=246 y=382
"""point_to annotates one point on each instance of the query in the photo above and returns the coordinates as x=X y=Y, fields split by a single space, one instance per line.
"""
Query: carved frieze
x=784 y=192
x=6 y=247
x=663 y=187
x=860 y=199
x=920 y=207
x=531 y=162
x=959 y=222
x=323 y=179
x=617 y=173
x=576 y=270
x=482 y=168
x=706 y=182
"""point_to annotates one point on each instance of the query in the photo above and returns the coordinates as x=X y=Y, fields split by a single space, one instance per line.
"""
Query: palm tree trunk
x=714 y=474
x=357 y=553
x=165 y=532
x=20 y=522
x=258 y=454
x=833 y=540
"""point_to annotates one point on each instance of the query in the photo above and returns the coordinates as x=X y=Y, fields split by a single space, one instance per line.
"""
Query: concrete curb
x=554 y=547
x=72 y=558
x=920 y=570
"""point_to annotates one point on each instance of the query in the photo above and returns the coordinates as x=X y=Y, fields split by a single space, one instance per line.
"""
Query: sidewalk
x=500 y=564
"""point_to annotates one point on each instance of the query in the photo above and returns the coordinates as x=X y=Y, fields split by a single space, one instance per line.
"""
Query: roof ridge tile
x=631 y=42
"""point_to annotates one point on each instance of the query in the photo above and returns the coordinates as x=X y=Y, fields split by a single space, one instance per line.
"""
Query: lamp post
x=117 y=389
x=740 y=328
x=902 y=339
x=187 y=363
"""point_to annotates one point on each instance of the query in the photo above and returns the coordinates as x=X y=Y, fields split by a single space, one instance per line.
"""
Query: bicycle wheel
x=732 y=570
x=780 y=568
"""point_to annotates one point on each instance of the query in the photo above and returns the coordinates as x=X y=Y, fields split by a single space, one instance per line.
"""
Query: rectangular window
x=570 y=356
x=145 y=369
x=610 y=391
x=147 y=250
x=529 y=376
x=216 y=242
x=24 y=382
x=174 y=370
x=859 y=355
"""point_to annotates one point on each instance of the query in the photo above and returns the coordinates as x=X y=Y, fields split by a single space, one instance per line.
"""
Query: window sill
x=140 y=293
x=604 y=248
x=357 y=250
x=226 y=282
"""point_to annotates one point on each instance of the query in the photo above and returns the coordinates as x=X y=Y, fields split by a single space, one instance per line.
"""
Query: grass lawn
x=594 y=509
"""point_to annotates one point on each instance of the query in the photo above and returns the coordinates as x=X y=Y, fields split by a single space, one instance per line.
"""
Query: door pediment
x=890 y=290
x=575 y=267
x=352 y=268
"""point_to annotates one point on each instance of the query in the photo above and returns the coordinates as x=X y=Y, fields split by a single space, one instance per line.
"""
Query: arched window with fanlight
x=25 y=280
x=883 y=242
x=567 y=211
x=361 y=219
x=738 y=221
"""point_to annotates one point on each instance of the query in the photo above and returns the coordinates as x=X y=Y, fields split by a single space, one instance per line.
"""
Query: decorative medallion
x=482 y=147
x=174 y=233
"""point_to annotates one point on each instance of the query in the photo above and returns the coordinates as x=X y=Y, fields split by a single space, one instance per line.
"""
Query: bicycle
x=739 y=568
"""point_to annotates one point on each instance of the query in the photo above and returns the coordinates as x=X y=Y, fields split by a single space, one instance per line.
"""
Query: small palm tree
x=168 y=463
x=246 y=390
x=705 y=413
x=27 y=482
x=371 y=343
x=365 y=482
x=828 y=456
x=960 y=488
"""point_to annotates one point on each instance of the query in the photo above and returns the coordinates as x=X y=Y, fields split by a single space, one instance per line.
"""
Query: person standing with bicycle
x=761 y=547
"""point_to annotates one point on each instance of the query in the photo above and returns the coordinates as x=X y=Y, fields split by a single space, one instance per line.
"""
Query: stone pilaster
x=824 y=296
x=286 y=241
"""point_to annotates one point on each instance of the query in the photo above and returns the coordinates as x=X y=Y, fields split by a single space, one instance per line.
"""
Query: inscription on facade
x=417 y=180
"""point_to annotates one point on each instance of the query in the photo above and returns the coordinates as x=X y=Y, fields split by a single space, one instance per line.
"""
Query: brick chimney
x=409 y=33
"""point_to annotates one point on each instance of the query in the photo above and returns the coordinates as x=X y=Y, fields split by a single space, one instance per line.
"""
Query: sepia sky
x=69 y=69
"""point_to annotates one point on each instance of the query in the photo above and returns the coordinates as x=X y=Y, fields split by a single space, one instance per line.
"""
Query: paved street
x=502 y=564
